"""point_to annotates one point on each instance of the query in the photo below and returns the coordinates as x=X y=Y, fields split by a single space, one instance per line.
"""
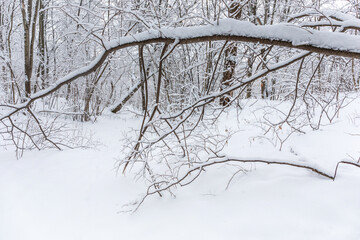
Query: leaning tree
x=184 y=61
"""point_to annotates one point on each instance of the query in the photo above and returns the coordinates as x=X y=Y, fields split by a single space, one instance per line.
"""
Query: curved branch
x=286 y=35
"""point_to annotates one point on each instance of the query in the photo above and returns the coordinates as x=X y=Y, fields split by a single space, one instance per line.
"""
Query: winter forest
x=171 y=119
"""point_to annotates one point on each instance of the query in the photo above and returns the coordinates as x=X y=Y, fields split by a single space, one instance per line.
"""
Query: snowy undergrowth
x=76 y=194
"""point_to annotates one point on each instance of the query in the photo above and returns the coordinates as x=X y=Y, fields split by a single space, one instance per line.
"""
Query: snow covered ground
x=76 y=194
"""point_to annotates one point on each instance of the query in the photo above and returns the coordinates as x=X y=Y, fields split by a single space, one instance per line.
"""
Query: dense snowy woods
x=177 y=67
x=253 y=105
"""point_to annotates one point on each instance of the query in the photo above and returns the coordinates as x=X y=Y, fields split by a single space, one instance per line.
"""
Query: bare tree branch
x=188 y=176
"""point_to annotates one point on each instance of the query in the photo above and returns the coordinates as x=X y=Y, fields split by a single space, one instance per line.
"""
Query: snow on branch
x=328 y=18
x=283 y=34
x=193 y=173
x=336 y=15
x=211 y=97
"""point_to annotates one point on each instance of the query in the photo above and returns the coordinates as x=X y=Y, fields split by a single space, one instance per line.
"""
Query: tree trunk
x=253 y=18
x=230 y=57
x=42 y=70
x=29 y=18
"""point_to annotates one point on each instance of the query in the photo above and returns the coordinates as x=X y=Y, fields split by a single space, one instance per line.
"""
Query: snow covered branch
x=284 y=34
x=328 y=18
x=193 y=173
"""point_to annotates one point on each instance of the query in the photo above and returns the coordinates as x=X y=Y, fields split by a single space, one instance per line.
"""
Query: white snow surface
x=76 y=194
